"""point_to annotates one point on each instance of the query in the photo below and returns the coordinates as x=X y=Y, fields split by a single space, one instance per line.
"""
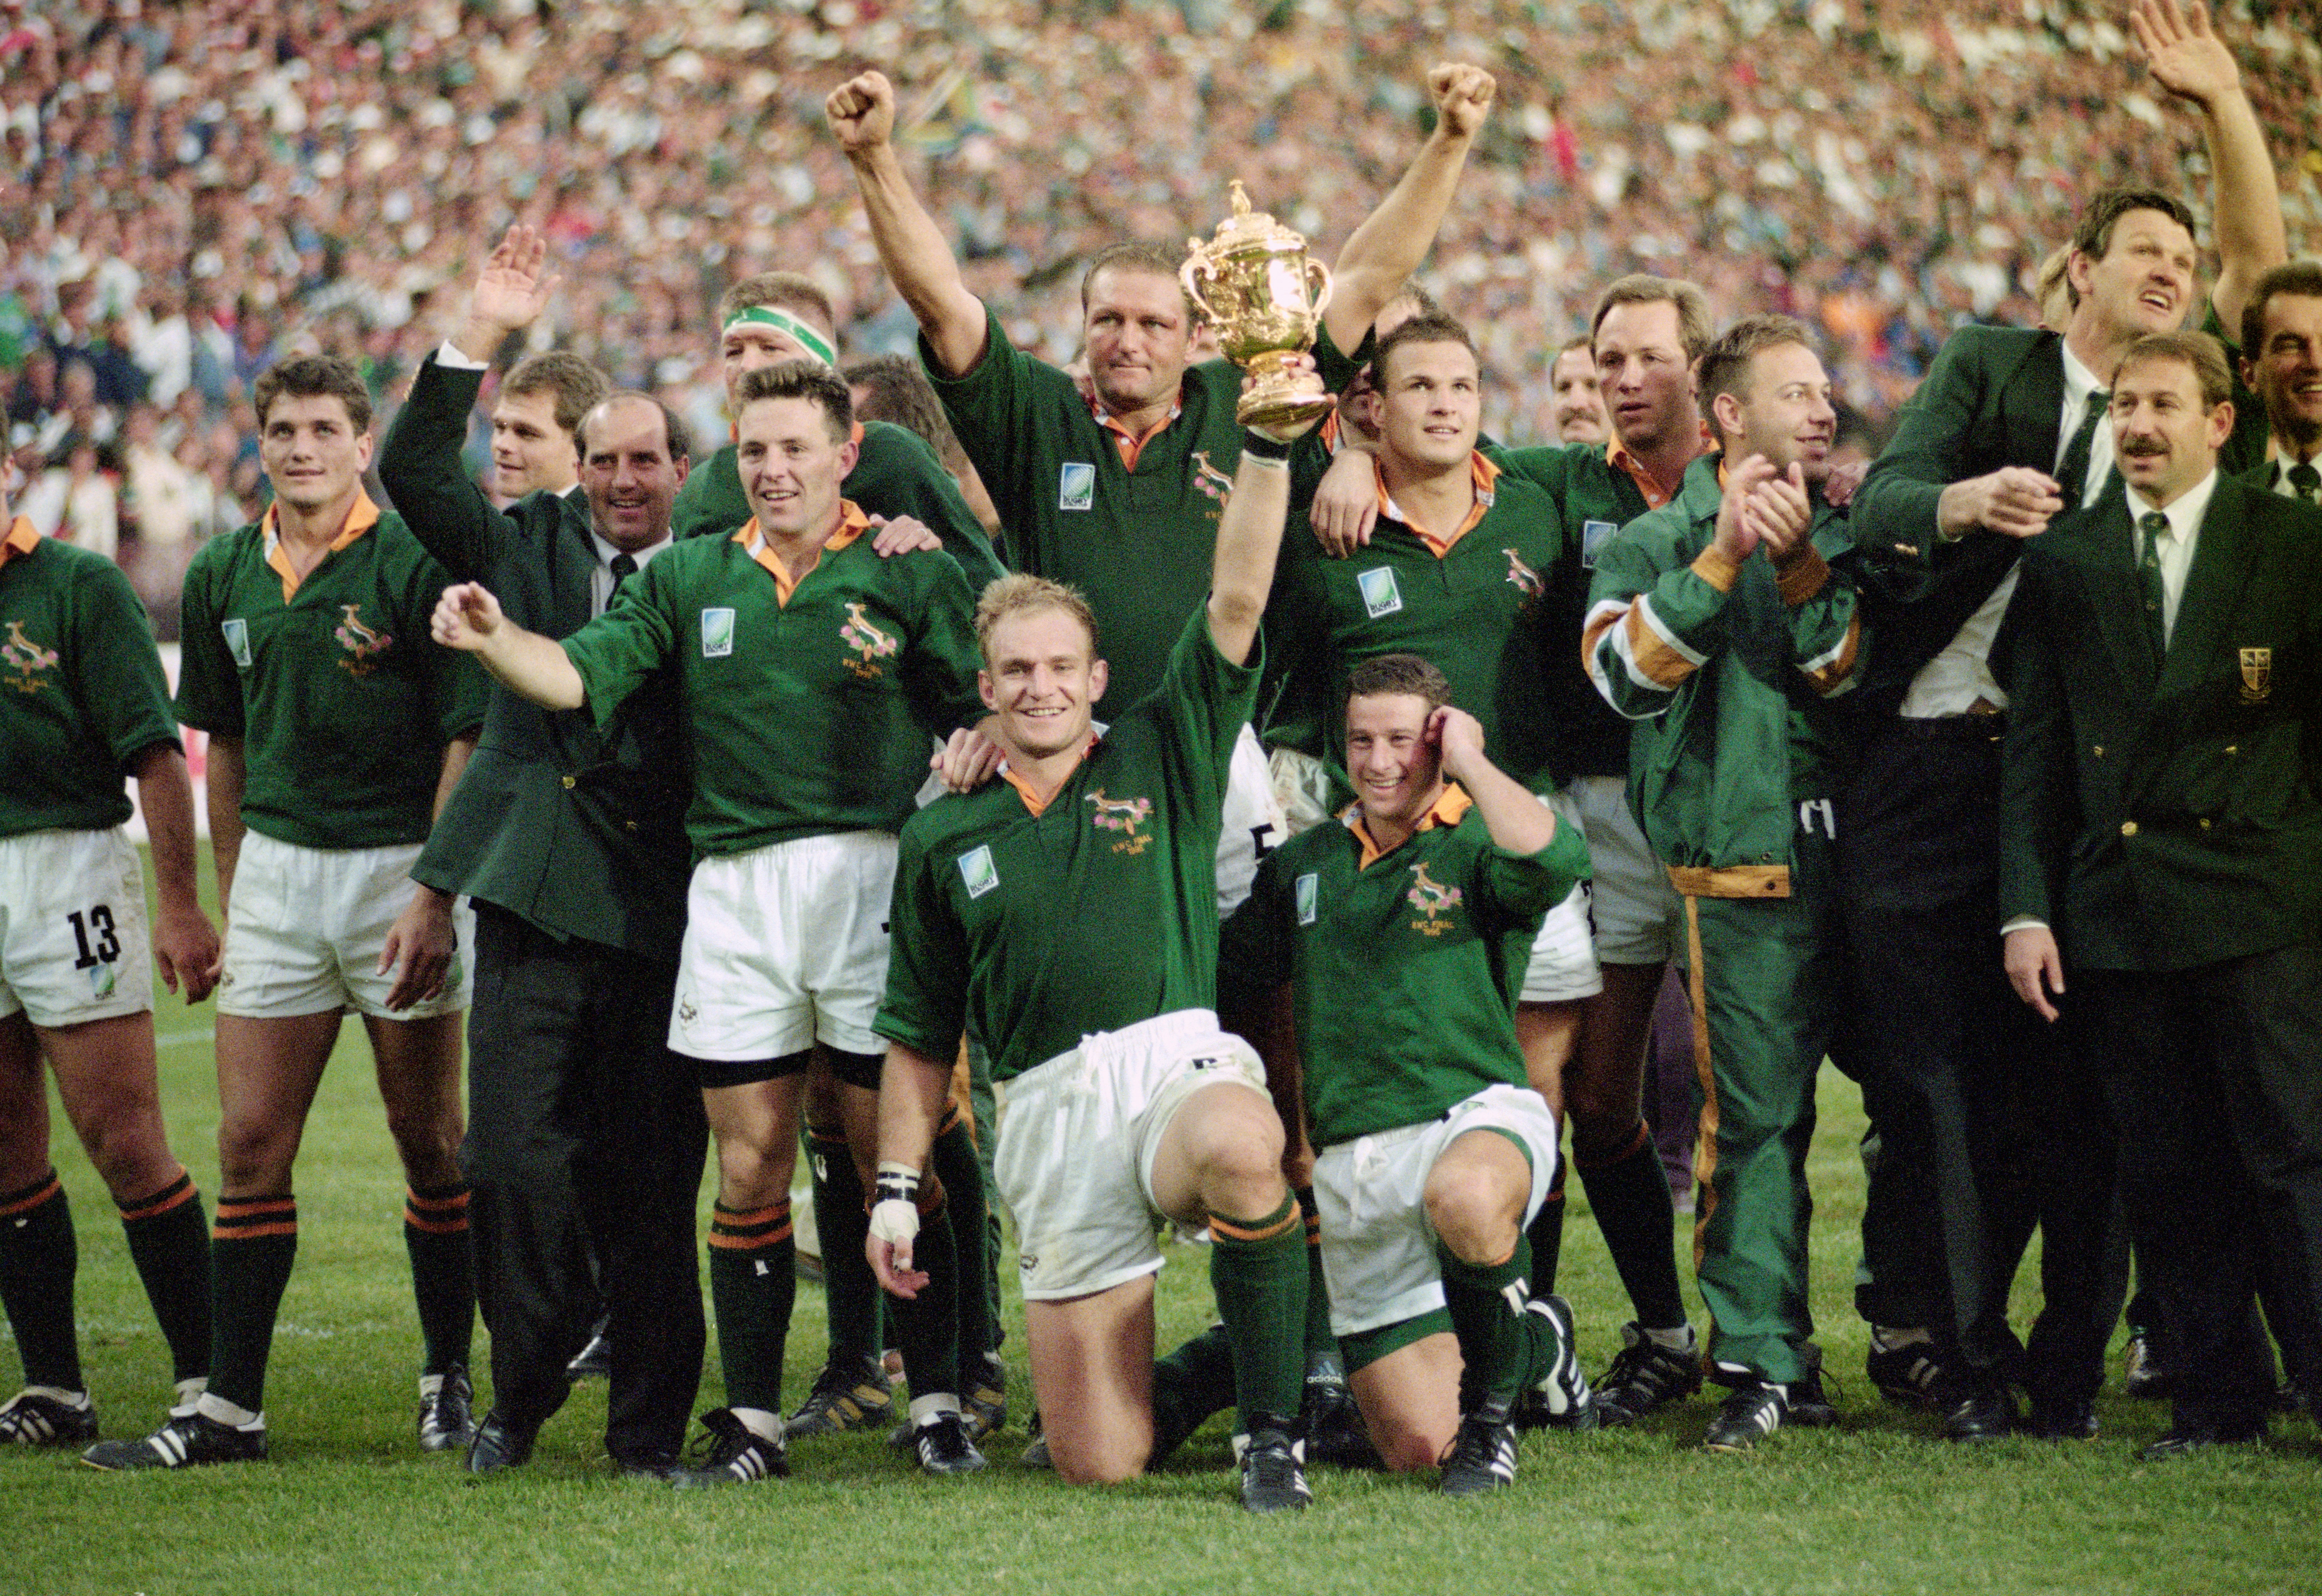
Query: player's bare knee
x=1106 y=1462
x=1473 y=1208
x=255 y=1156
x=132 y=1158
x=1404 y=1449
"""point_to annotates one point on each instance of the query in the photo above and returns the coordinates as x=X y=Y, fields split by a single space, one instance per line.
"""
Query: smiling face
x=1042 y=678
x=1139 y=338
x=1784 y=411
x=1646 y=379
x=312 y=452
x=530 y=452
x=627 y=472
x=1397 y=773
x=2164 y=438
x=2285 y=370
x=1430 y=404
x=2143 y=283
x=791 y=467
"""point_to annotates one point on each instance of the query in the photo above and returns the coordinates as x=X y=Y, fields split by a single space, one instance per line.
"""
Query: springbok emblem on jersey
x=26 y=658
x=1217 y=484
x=867 y=641
x=360 y=641
x=1523 y=577
x=1433 y=899
x=1123 y=814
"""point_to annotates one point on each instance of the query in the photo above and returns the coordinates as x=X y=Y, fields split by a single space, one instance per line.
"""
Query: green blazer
x=1994 y=397
x=581 y=833
x=2165 y=814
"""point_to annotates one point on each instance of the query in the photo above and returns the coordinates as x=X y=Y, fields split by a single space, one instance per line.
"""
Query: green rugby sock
x=1631 y=1196
x=1190 y=1384
x=253 y=1242
x=1501 y=1348
x=1546 y=1236
x=850 y=1292
x=1321 y=1346
x=1258 y=1268
x=927 y=1327
x=169 y=1242
x=38 y=1259
x=753 y=1286
x=954 y=1164
x=442 y=1273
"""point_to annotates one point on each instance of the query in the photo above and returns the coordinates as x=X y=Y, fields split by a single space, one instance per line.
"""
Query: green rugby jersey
x=82 y=693
x=342 y=701
x=895 y=474
x=1480 y=612
x=1405 y=965
x=806 y=710
x=1136 y=534
x=1099 y=910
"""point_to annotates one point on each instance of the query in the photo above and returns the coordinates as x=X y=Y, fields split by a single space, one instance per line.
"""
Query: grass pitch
x=349 y=1505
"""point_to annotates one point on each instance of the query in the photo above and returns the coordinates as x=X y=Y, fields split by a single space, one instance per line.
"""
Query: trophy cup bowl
x=1256 y=283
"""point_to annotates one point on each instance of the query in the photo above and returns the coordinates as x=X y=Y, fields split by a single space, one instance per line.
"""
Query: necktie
x=2306 y=482
x=625 y=566
x=2148 y=575
x=2073 y=473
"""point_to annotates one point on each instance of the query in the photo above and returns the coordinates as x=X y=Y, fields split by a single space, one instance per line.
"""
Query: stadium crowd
x=1827 y=739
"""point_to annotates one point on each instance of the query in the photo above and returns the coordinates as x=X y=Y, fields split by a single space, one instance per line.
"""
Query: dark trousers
x=2215 y=1081
x=1992 y=1114
x=585 y=1149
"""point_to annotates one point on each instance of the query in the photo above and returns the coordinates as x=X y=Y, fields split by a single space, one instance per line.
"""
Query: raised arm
x=1249 y=537
x=1392 y=242
x=2187 y=59
x=912 y=248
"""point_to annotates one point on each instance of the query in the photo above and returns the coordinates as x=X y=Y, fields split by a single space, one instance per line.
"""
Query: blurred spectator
x=77 y=499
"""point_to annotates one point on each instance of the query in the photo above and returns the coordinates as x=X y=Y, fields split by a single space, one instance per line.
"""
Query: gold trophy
x=1266 y=296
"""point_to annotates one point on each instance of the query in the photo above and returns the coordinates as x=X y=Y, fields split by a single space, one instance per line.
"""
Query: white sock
x=1680 y=1339
x=211 y=1406
x=765 y=1426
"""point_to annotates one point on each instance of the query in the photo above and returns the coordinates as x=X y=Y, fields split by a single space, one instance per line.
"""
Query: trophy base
x=1287 y=404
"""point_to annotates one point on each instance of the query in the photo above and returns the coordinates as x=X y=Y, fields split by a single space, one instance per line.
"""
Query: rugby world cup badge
x=717 y=634
x=236 y=633
x=1076 y=486
x=1309 y=898
x=1381 y=596
x=1593 y=536
x=978 y=870
x=2257 y=675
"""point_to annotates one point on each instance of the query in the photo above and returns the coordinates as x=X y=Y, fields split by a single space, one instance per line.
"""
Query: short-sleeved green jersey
x=895 y=474
x=1479 y=610
x=342 y=701
x=1595 y=498
x=1405 y=966
x=82 y=693
x=1033 y=928
x=806 y=710
x=1135 y=530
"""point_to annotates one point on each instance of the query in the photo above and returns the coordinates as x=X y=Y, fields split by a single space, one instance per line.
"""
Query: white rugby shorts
x=73 y=943
x=1563 y=964
x=1639 y=918
x=1253 y=826
x=305 y=926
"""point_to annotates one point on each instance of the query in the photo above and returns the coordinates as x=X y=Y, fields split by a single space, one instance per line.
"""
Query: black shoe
x=186 y=1441
x=499 y=1445
x=1747 y=1417
x=1911 y=1376
x=1334 y=1426
x=2142 y=1375
x=594 y=1361
x=940 y=1443
x=1563 y=1390
x=2184 y=1439
x=35 y=1419
x=2063 y=1419
x=732 y=1453
x=662 y=1470
x=1985 y=1413
x=849 y=1394
x=1644 y=1377
x=1482 y=1456
x=1809 y=1407
x=447 y=1420
x=985 y=1409
x=1273 y=1478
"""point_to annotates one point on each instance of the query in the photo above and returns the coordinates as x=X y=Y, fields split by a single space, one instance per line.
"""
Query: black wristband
x=895 y=1183
x=1257 y=443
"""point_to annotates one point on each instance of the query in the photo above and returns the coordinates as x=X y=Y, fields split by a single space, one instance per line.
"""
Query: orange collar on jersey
x=852 y=525
x=1132 y=444
x=1482 y=475
x=1033 y=800
x=1618 y=456
x=22 y=538
x=360 y=518
x=1449 y=805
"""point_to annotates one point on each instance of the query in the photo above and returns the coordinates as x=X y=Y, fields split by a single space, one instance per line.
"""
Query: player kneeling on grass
x=812 y=672
x=1399 y=929
x=85 y=701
